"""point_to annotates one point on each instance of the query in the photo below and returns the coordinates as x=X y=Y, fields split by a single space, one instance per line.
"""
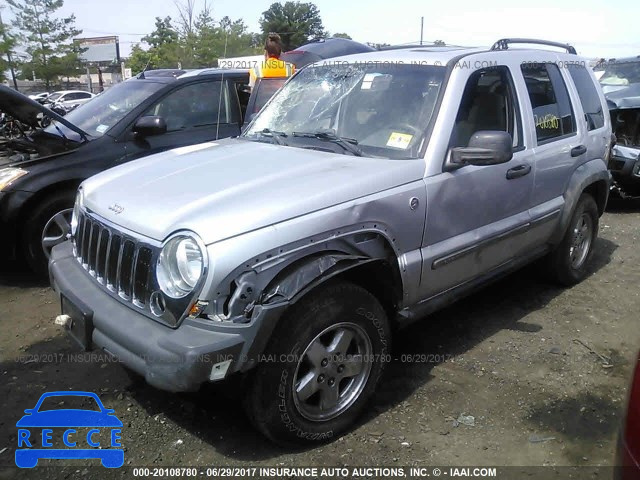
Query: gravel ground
x=542 y=370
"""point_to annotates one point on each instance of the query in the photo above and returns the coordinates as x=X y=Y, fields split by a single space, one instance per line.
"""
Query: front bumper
x=625 y=168
x=179 y=359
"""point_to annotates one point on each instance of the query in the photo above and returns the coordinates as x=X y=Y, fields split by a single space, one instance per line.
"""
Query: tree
x=341 y=35
x=138 y=59
x=439 y=43
x=164 y=45
x=295 y=22
x=7 y=44
x=45 y=36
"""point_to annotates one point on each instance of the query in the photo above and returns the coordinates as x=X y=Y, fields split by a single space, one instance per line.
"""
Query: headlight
x=180 y=266
x=76 y=211
x=10 y=175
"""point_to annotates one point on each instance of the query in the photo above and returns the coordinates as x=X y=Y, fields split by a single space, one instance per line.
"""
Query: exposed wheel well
x=380 y=279
x=598 y=190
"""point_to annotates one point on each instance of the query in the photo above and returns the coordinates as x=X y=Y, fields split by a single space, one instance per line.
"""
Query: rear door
x=560 y=141
x=595 y=116
x=195 y=113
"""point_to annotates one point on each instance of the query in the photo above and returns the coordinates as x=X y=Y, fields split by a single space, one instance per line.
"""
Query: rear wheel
x=569 y=262
x=322 y=366
x=48 y=225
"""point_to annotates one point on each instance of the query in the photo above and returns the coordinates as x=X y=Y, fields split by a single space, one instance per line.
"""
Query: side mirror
x=486 y=147
x=149 y=126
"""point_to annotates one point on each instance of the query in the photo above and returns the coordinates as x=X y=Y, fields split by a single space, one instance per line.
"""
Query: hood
x=623 y=97
x=227 y=188
x=26 y=110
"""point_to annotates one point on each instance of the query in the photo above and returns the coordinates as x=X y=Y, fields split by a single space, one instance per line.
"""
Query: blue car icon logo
x=84 y=433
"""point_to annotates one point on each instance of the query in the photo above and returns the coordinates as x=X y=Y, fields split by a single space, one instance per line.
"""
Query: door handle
x=519 y=171
x=579 y=150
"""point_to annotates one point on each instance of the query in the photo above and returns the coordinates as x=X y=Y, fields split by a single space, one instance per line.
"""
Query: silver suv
x=370 y=191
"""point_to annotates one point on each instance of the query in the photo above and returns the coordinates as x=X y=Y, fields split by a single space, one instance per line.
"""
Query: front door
x=194 y=113
x=477 y=215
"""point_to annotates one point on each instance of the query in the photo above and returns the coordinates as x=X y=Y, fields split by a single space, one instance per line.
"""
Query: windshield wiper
x=349 y=144
x=274 y=134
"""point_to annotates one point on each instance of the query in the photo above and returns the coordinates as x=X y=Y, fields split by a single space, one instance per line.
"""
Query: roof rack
x=503 y=44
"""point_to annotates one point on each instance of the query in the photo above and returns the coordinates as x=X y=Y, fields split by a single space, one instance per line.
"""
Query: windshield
x=105 y=110
x=54 y=96
x=369 y=109
x=621 y=74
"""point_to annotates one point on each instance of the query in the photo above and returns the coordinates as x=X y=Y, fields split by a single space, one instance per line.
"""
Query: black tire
x=34 y=226
x=560 y=262
x=269 y=401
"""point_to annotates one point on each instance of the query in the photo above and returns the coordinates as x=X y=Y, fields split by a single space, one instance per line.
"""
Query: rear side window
x=552 y=112
x=588 y=96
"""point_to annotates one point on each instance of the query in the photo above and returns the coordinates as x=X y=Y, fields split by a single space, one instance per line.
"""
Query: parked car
x=323 y=49
x=628 y=453
x=367 y=193
x=157 y=111
x=69 y=98
x=621 y=84
x=40 y=97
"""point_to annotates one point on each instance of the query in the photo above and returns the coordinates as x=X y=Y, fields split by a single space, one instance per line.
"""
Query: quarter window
x=588 y=94
x=552 y=112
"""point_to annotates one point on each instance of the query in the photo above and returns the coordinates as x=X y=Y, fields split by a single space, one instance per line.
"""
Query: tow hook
x=64 y=321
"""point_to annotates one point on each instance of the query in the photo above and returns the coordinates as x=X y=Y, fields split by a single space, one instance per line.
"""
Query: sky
x=595 y=28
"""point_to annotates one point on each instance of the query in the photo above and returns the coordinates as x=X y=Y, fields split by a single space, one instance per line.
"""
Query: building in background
x=101 y=56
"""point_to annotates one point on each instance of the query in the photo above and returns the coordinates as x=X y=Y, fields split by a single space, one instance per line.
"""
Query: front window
x=623 y=73
x=369 y=109
x=103 y=112
x=198 y=105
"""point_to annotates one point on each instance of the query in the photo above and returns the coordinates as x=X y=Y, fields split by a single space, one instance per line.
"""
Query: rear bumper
x=179 y=359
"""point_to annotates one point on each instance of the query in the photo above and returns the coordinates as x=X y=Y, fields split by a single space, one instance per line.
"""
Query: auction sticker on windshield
x=399 y=140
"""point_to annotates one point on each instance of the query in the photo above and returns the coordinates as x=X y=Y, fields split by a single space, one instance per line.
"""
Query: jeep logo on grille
x=117 y=209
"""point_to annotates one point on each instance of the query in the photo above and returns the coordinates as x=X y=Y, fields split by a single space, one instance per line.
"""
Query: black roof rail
x=503 y=44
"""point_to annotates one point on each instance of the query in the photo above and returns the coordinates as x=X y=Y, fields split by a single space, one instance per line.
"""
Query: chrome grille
x=120 y=263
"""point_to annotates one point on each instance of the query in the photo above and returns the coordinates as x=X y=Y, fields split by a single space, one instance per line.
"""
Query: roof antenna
x=141 y=74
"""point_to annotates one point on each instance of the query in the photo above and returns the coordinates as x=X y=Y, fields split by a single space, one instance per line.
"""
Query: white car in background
x=40 y=97
x=69 y=98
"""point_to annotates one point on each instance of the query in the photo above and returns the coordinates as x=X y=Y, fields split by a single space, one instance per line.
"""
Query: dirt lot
x=521 y=357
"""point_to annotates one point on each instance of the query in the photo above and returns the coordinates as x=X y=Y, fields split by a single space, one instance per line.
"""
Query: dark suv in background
x=157 y=110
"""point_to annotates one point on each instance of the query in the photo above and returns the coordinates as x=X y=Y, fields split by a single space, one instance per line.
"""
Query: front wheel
x=48 y=225
x=322 y=366
x=569 y=262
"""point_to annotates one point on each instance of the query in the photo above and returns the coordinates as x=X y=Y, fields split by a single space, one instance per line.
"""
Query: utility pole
x=421 y=28
x=9 y=60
